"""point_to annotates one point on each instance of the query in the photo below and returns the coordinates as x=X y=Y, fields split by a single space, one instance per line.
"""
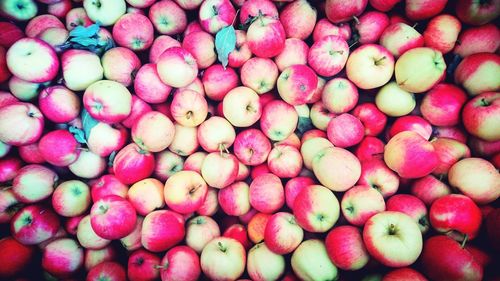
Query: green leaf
x=78 y=134
x=85 y=41
x=304 y=125
x=88 y=123
x=81 y=31
x=225 y=42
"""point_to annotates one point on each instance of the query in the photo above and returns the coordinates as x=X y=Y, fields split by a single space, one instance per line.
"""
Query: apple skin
x=216 y=14
x=59 y=9
x=107 y=101
x=217 y=81
x=73 y=62
x=104 y=139
x=77 y=17
x=143 y=266
x=369 y=148
x=40 y=23
x=146 y=196
x=360 y=203
x=14 y=256
x=458 y=214
x=370 y=26
x=199 y=231
x=9 y=205
x=345 y=247
x=474 y=13
x=133 y=164
x=371 y=117
x=413 y=123
x=336 y=168
x=112 y=217
x=105 y=12
x=219 y=169
x=242 y=52
x=34 y=224
x=259 y=74
x=71 y=198
x=241 y=107
x=373 y=61
x=167 y=164
x=10 y=34
x=338 y=11
x=153 y=131
x=285 y=161
x=479 y=113
x=184 y=74
x=449 y=152
x=148 y=86
x=310 y=262
x=429 y=188
x=476 y=178
x=417 y=10
x=95 y=257
x=410 y=155
x=62 y=257
x=234 y=199
x=339 y=136
x=325 y=28
x=412 y=206
x=481 y=39
x=383 y=5
x=420 y=69
x=298 y=19
x=404 y=274
x=29 y=120
x=4 y=71
x=68 y=148
x=33 y=183
x=483 y=148
x=394 y=101
x=251 y=9
x=202 y=46
x=385 y=233
x=107 y=185
x=311 y=147
x=477 y=73
x=180 y=263
x=444 y=259
x=376 y=174
x=239 y=233
x=120 y=64
x=185 y=141
x=162 y=230
x=295 y=52
x=339 y=95
x=167 y=17
x=185 y=192
x=25 y=52
x=279 y=120
x=59 y=104
x=252 y=147
x=442 y=32
x=328 y=55
x=216 y=133
x=133 y=241
x=160 y=44
x=316 y=209
x=282 y=233
x=263 y=264
x=266 y=193
x=266 y=37
x=108 y=271
x=223 y=258
x=455 y=133
x=133 y=31
x=189 y=108
x=87 y=237
x=441 y=106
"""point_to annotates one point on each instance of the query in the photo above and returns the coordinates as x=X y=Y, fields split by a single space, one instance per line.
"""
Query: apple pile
x=249 y=139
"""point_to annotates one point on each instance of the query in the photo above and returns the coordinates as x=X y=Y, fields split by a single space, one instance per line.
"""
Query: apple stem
x=484 y=102
x=235 y=16
x=466 y=237
x=189 y=114
x=392 y=229
x=354 y=43
x=260 y=16
x=377 y=62
x=415 y=25
x=356 y=20
x=221 y=247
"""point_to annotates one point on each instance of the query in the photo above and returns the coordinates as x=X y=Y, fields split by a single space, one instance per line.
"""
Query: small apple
x=223 y=259
x=180 y=263
x=106 y=12
x=360 y=203
x=370 y=66
x=162 y=230
x=62 y=257
x=310 y=262
x=316 y=209
x=336 y=168
x=34 y=224
x=346 y=249
x=263 y=264
x=112 y=217
x=266 y=193
x=199 y=231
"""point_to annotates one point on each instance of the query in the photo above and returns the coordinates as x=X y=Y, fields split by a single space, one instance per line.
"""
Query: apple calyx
x=392 y=229
x=379 y=61
x=97 y=3
x=192 y=190
x=139 y=261
x=483 y=102
x=103 y=209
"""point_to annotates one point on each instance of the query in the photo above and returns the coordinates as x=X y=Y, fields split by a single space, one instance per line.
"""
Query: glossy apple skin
x=108 y=101
x=338 y=11
x=412 y=206
x=162 y=230
x=14 y=256
x=369 y=148
x=345 y=138
x=297 y=84
x=282 y=234
x=481 y=39
x=479 y=116
x=185 y=192
x=112 y=217
x=294 y=186
x=142 y=265
x=266 y=193
x=456 y=212
x=251 y=147
x=477 y=73
x=328 y=55
x=218 y=81
x=449 y=152
x=419 y=10
x=62 y=257
x=29 y=120
x=108 y=270
x=442 y=32
x=234 y=199
x=442 y=104
x=411 y=123
x=180 y=263
x=285 y=161
x=279 y=120
x=295 y=52
x=133 y=164
x=316 y=209
x=44 y=225
x=266 y=37
x=67 y=148
x=201 y=45
x=346 y=248
x=444 y=259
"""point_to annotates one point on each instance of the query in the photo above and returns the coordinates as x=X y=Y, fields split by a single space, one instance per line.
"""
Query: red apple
x=202 y=46
x=338 y=11
x=67 y=152
x=266 y=193
x=412 y=123
x=218 y=81
x=62 y=257
x=360 y=203
x=423 y=9
x=112 y=271
x=429 y=188
x=477 y=13
x=112 y=217
x=479 y=116
x=162 y=230
x=316 y=209
x=282 y=234
x=216 y=14
x=412 y=206
x=477 y=73
x=133 y=31
x=143 y=266
x=328 y=55
x=180 y=263
x=345 y=248
x=481 y=39
x=133 y=164
x=34 y=224
x=167 y=17
x=441 y=106
x=449 y=152
x=266 y=37
x=404 y=274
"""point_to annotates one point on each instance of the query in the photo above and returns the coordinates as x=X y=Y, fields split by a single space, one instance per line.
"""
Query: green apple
x=106 y=12
x=20 y=10
x=310 y=261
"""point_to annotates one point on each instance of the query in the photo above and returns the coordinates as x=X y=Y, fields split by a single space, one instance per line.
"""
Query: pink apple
x=133 y=31
x=120 y=64
x=481 y=39
x=59 y=9
x=339 y=95
x=477 y=73
x=71 y=198
x=234 y=199
x=4 y=71
x=216 y=134
x=132 y=241
x=455 y=133
x=103 y=139
x=189 y=4
x=218 y=81
x=211 y=205
x=259 y=74
x=266 y=37
x=88 y=165
x=311 y=147
x=183 y=74
x=345 y=248
x=295 y=52
x=371 y=117
x=296 y=84
x=316 y=209
x=167 y=17
x=338 y=11
x=189 y=108
x=479 y=113
x=62 y=257
x=242 y=52
x=360 y=203
x=216 y=14
x=112 y=217
x=442 y=104
x=369 y=148
x=251 y=9
x=162 y=230
x=67 y=150
x=370 y=66
x=442 y=32
x=219 y=169
x=370 y=26
x=337 y=133
x=199 y=231
x=149 y=87
x=294 y=186
x=429 y=188
x=412 y=206
x=32 y=60
x=95 y=257
x=328 y=55
x=266 y=193
x=298 y=19
x=477 y=13
x=180 y=263
x=10 y=34
x=223 y=259
x=29 y=120
x=398 y=38
x=87 y=237
x=132 y=164
x=30 y=154
x=77 y=17
x=376 y=174
x=282 y=234
x=107 y=185
x=33 y=183
x=185 y=192
x=285 y=161
x=251 y=147
x=419 y=10
x=143 y=266
x=325 y=28
x=386 y=233
x=107 y=101
x=202 y=46
x=108 y=270
x=449 y=152
x=160 y=44
x=59 y=104
x=34 y=224
x=146 y=196
x=194 y=161
x=153 y=131
x=383 y=5
x=336 y=168
x=279 y=120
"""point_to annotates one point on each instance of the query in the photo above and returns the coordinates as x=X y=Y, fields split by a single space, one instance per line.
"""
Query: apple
x=266 y=193
x=336 y=168
x=59 y=104
x=345 y=247
x=370 y=26
x=444 y=259
x=298 y=19
x=143 y=265
x=15 y=256
x=239 y=233
x=107 y=101
x=149 y=87
x=23 y=90
x=95 y=257
x=189 y=4
x=413 y=123
x=442 y=32
x=108 y=271
x=185 y=192
x=133 y=31
x=376 y=174
x=476 y=178
x=185 y=72
x=241 y=107
x=133 y=241
x=263 y=264
x=9 y=205
x=441 y=106
x=107 y=185
x=10 y=33
x=339 y=95
x=120 y=64
x=328 y=55
x=62 y=257
x=372 y=119
x=74 y=63
x=481 y=39
x=282 y=233
x=370 y=66
x=67 y=152
x=266 y=37
x=369 y=148
x=189 y=108
x=160 y=44
x=33 y=183
x=219 y=169
x=185 y=140
x=167 y=17
x=455 y=133
x=477 y=72
x=316 y=209
x=103 y=139
x=412 y=206
x=484 y=148
x=19 y=10
x=87 y=237
x=180 y=263
x=59 y=9
x=423 y=9
x=162 y=230
x=295 y=52
x=202 y=46
x=383 y=5
x=256 y=225
x=40 y=23
x=71 y=198
x=153 y=131
x=241 y=52
x=296 y=84
x=259 y=74
x=194 y=161
x=404 y=274
x=410 y=155
x=223 y=259
x=474 y=13
x=199 y=231
x=132 y=164
x=339 y=136
x=34 y=224
x=210 y=206
x=251 y=9
x=310 y=148
x=112 y=217
x=360 y=203
x=394 y=101
x=216 y=14
x=478 y=116
x=71 y=224
x=105 y=12
x=279 y=120
x=251 y=147
x=285 y=161
x=146 y=196
x=234 y=199
x=338 y=11
x=55 y=37
x=449 y=152
x=167 y=164
x=4 y=71
x=386 y=233
x=429 y=188
x=88 y=165
x=325 y=28
x=310 y=261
